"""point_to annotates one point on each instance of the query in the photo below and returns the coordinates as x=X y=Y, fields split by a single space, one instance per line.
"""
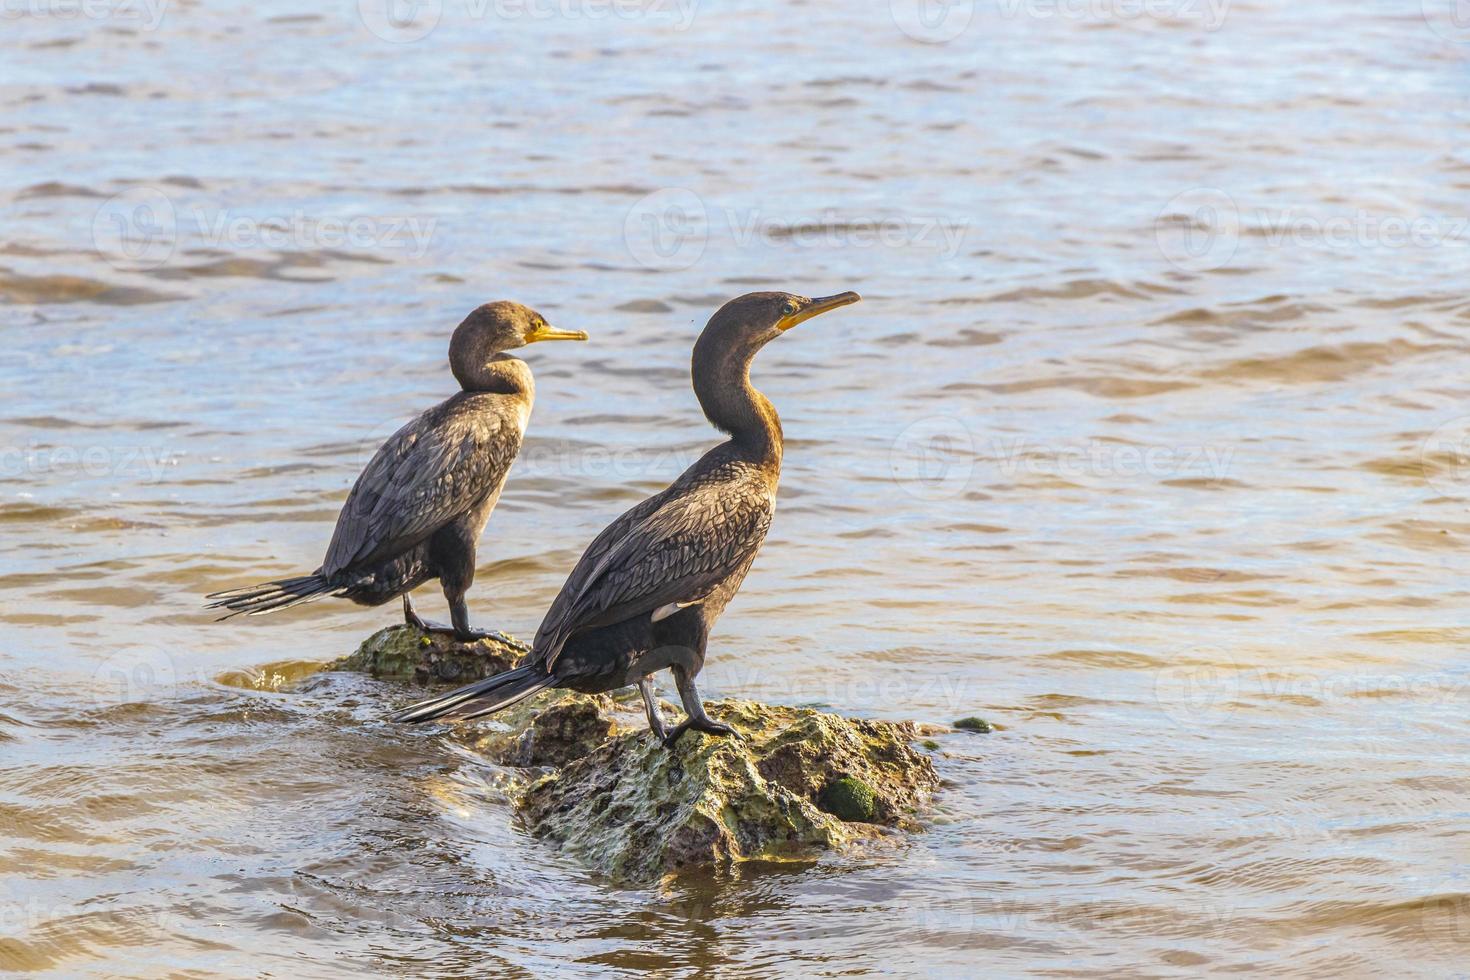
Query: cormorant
x=647 y=591
x=419 y=507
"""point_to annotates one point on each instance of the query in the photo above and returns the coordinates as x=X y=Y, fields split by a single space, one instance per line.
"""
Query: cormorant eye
x=788 y=308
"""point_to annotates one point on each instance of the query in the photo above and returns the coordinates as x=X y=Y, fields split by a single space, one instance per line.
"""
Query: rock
x=975 y=725
x=545 y=734
x=636 y=811
x=797 y=783
x=407 y=653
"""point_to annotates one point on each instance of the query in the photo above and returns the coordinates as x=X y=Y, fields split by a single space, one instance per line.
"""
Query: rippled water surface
x=1145 y=444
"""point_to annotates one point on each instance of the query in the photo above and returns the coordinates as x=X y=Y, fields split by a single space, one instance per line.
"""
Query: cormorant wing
x=674 y=547
x=428 y=473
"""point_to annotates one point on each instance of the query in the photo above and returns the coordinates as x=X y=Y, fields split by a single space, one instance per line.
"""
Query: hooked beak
x=817 y=307
x=548 y=332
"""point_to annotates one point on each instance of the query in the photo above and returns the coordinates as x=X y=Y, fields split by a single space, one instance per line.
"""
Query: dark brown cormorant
x=419 y=507
x=647 y=591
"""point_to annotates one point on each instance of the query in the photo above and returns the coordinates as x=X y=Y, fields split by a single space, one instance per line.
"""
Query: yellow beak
x=548 y=332
x=817 y=307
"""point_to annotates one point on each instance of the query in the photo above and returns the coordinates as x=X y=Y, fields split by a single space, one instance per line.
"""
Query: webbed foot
x=708 y=727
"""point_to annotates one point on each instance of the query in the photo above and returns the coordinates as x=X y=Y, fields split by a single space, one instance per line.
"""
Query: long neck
x=732 y=403
x=501 y=375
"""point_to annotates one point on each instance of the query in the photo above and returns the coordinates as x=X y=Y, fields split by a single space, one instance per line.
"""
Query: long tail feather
x=480 y=698
x=270 y=596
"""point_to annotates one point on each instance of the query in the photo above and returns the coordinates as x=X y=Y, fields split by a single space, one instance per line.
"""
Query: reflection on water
x=1148 y=443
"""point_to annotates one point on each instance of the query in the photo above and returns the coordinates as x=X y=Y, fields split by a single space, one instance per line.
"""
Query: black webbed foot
x=708 y=727
x=471 y=635
x=462 y=633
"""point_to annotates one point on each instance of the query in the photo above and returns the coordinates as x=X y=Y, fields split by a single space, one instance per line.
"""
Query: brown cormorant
x=419 y=507
x=647 y=591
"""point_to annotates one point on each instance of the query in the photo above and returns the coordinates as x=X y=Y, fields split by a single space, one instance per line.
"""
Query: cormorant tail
x=480 y=698
x=270 y=596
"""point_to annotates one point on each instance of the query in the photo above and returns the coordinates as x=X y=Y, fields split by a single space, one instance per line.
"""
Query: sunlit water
x=1145 y=444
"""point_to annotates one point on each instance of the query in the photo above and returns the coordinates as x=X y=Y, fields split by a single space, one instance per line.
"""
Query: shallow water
x=1145 y=443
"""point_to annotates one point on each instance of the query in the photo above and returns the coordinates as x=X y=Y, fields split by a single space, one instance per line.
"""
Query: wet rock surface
x=407 y=653
x=636 y=811
x=796 y=783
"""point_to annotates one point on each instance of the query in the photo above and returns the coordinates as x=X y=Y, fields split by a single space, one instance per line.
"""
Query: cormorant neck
x=501 y=375
x=733 y=405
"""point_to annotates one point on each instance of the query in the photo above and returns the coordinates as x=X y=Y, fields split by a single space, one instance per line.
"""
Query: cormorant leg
x=413 y=619
x=459 y=614
x=694 y=707
x=461 y=630
x=650 y=704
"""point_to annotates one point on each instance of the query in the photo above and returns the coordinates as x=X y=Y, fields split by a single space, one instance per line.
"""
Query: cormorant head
x=497 y=327
x=747 y=323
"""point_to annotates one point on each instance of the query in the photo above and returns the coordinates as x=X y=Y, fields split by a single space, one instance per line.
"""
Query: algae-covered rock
x=635 y=811
x=796 y=782
x=551 y=730
x=407 y=653
x=973 y=724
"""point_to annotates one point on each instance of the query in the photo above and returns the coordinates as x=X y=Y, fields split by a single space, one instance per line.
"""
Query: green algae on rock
x=848 y=799
x=795 y=784
x=636 y=811
x=407 y=653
